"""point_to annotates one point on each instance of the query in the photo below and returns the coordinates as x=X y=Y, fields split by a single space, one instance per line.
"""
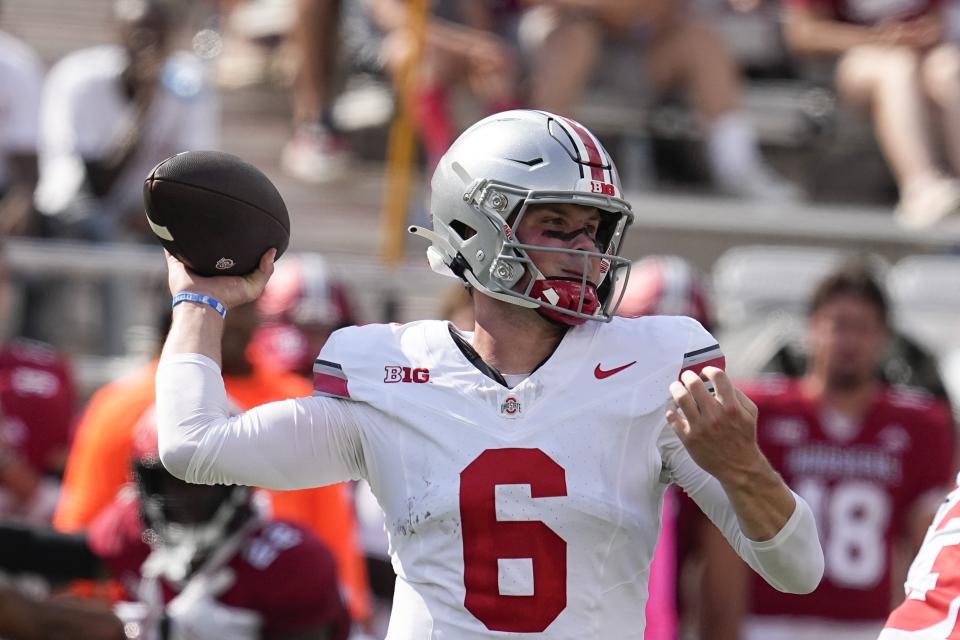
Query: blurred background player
x=37 y=407
x=893 y=61
x=109 y=114
x=678 y=51
x=305 y=302
x=872 y=460
x=195 y=561
x=104 y=441
x=931 y=585
x=21 y=78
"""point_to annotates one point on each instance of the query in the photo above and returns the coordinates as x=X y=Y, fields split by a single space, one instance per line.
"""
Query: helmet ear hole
x=462 y=229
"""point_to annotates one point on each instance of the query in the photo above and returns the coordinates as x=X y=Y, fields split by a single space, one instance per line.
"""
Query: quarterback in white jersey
x=521 y=467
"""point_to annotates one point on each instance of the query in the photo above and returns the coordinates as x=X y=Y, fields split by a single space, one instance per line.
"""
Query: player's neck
x=510 y=338
x=852 y=400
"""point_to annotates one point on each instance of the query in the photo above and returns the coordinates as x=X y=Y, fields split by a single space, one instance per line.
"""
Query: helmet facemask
x=581 y=300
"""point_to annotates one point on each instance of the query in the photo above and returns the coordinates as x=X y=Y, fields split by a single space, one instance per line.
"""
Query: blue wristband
x=187 y=296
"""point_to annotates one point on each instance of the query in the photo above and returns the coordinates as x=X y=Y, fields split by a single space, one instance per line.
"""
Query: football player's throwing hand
x=719 y=431
x=231 y=291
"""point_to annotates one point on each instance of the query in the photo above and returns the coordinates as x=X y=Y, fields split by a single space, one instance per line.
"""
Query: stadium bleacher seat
x=925 y=290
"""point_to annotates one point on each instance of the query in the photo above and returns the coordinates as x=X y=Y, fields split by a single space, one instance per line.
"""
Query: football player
x=195 y=562
x=872 y=460
x=929 y=611
x=520 y=466
x=305 y=302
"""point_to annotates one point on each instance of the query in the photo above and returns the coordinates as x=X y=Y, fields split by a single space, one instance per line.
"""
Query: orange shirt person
x=98 y=463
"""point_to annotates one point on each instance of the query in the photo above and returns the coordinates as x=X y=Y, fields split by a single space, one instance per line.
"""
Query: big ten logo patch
x=605 y=188
x=394 y=373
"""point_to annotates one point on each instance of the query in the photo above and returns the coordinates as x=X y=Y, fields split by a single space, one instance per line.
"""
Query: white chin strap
x=435 y=256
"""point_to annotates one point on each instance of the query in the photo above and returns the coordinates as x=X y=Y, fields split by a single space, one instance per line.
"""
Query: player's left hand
x=719 y=431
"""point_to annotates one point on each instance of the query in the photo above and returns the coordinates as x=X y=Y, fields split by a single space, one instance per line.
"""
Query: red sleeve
x=299 y=590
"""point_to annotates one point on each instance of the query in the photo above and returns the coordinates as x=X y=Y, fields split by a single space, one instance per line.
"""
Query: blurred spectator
x=23 y=618
x=303 y=304
x=464 y=43
x=872 y=460
x=112 y=112
x=37 y=406
x=891 y=62
x=21 y=77
x=677 y=51
x=318 y=152
x=97 y=465
x=195 y=561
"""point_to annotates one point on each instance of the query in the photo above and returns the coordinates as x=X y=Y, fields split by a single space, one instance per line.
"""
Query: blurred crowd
x=857 y=418
x=79 y=136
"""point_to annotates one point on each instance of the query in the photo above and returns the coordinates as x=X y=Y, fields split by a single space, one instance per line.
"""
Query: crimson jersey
x=36 y=402
x=859 y=479
x=870 y=12
x=281 y=571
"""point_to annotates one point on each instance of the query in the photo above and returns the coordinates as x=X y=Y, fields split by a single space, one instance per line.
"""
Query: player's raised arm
x=282 y=445
x=771 y=527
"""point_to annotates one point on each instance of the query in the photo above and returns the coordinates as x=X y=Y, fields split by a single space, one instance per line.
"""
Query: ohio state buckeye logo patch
x=510 y=407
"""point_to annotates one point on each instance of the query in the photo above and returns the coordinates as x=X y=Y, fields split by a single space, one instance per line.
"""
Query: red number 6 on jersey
x=487 y=540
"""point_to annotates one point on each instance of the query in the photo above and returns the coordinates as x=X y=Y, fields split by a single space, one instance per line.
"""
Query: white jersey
x=523 y=512
x=930 y=610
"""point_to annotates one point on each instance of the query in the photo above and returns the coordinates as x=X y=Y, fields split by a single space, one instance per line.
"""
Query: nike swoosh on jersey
x=600 y=374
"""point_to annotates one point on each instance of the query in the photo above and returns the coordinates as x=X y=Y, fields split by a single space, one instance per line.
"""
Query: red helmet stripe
x=595 y=157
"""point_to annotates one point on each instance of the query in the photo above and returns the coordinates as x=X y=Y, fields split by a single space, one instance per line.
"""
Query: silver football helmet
x=481 y=190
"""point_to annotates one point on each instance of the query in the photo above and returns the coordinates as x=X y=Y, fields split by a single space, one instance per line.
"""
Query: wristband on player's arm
x=188 y=296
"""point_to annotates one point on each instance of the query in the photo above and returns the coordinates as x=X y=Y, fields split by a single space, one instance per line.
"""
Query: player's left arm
x=712 y=452
x=720 y=433
x=771 y=527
